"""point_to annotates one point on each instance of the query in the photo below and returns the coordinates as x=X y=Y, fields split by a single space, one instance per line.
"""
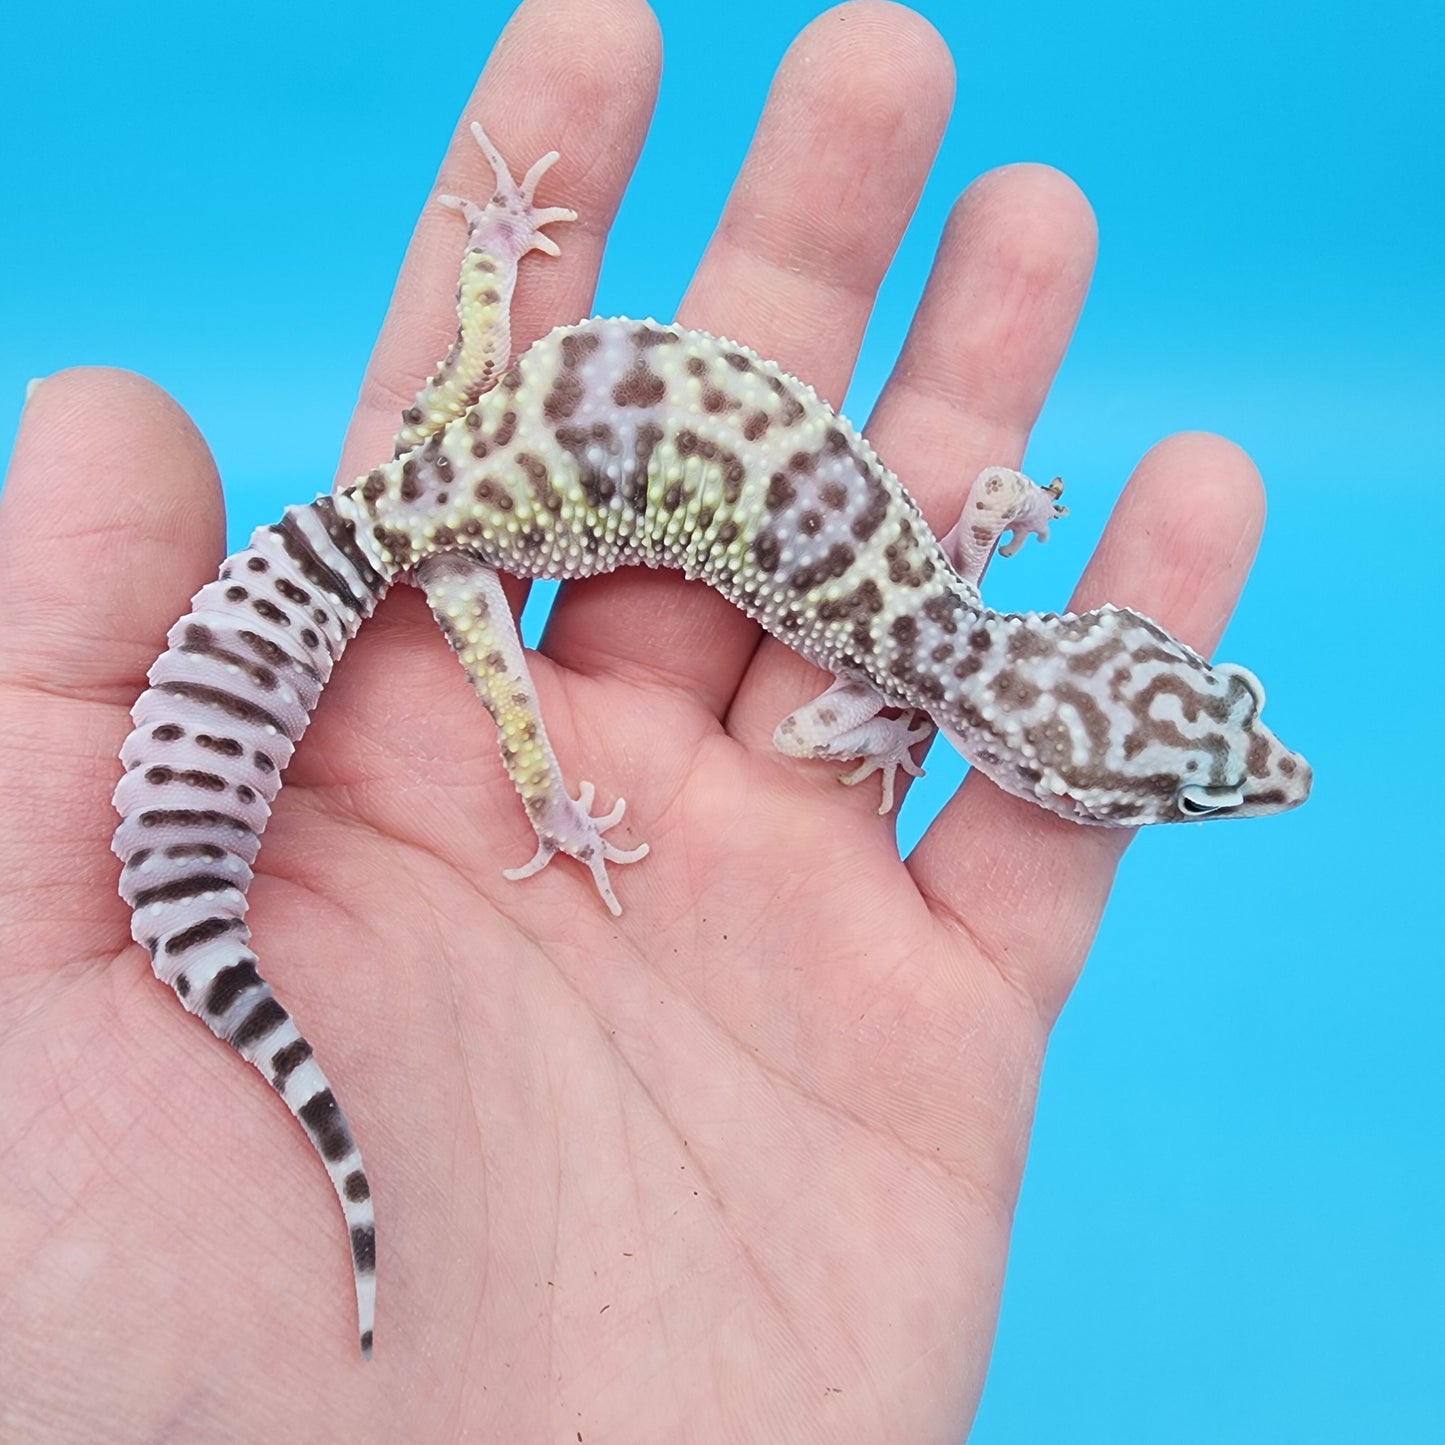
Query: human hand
x=741 y=1162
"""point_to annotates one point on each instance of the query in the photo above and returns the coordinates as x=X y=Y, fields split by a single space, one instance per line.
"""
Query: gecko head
x=1251 y=773
x=1104 y=718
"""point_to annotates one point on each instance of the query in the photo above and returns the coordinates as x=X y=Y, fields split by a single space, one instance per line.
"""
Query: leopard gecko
x=607 y=444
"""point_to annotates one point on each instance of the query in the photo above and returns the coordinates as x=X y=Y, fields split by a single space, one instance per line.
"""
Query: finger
x=1031 y=886
x=996 y=315
x=576 y=76
x=840 y=155
x=111 y=517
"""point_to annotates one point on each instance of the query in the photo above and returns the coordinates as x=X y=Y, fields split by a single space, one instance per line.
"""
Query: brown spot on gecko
x=690 y=444
x=277 y=655
x=194 y=818
x=410 y=487
x=1013 y=690
x=363 y=1247
x=810 y=523
x=838 y=559
x=564 y=398
x=287 y=1059
x=942 y=610
x=639 y=386
x=875 y=509
x=738 y=361
x=734 y=475
x=767 y=551
x=226 y=747
x=236 y=594
x=326 y=578
x=780 y=492
x=1256 y=761
x=864 y=601
x=395 y=544
x=577 y=346
x=506 y=429
x=269 y=610
x=323 y=1120
x=234 y=706
x=167 y=732
x=203 y=932
x=904 y=631
x=181 y=888
x=539 y=480
x=256 y=564
x=265 y=1018
x=833 y=495
x=793 y=410
x=229 y=984
x=355 y=1187
x=200 y=642
x=1024 y=643
x=755 y=424
x=373 y=487
x=645 y=336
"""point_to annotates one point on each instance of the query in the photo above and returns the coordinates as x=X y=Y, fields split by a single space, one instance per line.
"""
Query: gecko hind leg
x=499 y=234
x=466 y=599
x=846 y=722
x=1001 y=500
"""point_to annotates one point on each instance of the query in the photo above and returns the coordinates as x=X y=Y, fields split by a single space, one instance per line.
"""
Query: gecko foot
x=889 y=755
x=509 y=223
x=1001 y=500
x=1033 y=520
x=571 y=828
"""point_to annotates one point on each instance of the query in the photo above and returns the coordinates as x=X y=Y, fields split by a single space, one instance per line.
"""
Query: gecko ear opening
x=1197 y=801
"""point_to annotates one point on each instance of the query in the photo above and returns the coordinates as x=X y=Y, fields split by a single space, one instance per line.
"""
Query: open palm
x=740 y=1164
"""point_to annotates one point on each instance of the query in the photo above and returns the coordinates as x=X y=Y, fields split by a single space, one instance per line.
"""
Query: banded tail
x=228 y=701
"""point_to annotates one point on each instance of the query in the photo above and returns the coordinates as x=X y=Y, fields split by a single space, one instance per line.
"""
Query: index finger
x=576 y=76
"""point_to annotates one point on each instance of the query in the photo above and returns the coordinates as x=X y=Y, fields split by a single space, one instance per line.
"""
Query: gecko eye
x=1196 y=801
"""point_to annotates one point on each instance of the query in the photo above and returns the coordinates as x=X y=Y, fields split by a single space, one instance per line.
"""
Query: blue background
x=1231 y=1225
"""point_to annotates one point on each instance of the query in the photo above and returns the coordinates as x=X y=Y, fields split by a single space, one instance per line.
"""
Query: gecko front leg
x=846 y=722
x=467 y=601
x=1001 y=500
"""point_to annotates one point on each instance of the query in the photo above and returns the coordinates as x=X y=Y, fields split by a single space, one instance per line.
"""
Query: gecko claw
x=509 y=222
x=573 y=830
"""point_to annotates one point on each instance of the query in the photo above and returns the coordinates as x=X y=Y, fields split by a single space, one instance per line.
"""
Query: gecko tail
x=227 y=703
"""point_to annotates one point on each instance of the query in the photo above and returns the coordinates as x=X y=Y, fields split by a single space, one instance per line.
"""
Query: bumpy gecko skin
x=616 y=443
